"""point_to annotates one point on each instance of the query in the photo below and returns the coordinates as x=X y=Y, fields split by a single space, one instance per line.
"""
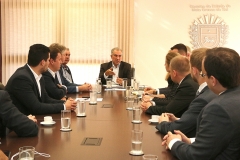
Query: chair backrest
x=1 y=86
x=132 y=72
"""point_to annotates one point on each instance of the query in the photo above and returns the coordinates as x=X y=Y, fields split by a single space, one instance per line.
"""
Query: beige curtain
x=90 y=28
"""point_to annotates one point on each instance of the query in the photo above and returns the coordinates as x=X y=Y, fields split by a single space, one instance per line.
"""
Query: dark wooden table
x=113 y=125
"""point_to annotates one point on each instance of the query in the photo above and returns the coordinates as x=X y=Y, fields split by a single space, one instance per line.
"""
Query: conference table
x=106 y=132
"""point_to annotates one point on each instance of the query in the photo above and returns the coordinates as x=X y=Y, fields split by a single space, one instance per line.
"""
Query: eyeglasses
x=202 y=74
x=115 y=55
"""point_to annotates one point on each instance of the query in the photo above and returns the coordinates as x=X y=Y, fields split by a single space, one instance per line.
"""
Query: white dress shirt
x=37 y=77
x=116 y=71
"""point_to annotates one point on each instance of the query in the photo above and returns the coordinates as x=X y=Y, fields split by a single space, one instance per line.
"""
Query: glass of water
x=137 y=137
x=109 y=82
x=136 y=114
x=26 y=153
x=65 y=120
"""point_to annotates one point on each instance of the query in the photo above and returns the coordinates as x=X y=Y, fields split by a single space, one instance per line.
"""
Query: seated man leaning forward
x=27 y=87
x=115 y=69
x=185 y=93
x=14 y=120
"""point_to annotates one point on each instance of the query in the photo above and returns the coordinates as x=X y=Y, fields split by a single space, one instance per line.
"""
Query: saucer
x=47 y=123
x=81 y=115
x=137 y=122
x=130 y=109
x=139 y=153
x=153 y=121
x=65 y=130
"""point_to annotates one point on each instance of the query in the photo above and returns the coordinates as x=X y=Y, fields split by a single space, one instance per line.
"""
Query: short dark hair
x=181 y=48
x=54 y=53
x=196 y=58
x=224 y=65
x=37 y=53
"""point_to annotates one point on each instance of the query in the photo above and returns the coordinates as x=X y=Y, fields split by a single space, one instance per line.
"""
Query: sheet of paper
x=88 y=99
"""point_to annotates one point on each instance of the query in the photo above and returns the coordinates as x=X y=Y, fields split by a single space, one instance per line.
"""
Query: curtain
x=89 y=28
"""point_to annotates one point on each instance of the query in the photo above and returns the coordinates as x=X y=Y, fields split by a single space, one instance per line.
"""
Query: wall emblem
x=208 y=31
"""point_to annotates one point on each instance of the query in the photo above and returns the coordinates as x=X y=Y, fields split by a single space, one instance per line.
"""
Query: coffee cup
x=48 y=119
x=155 y=118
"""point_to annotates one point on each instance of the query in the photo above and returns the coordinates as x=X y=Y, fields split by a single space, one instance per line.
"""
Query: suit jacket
x=71 y=87
x=168 y=89
x=23 y=90
x=51 y=86
x=169 y=93
x=188 y=122
x=66 y=68
x=13 y=119
x=124 y=71
x=218 y=131
x=184 y=95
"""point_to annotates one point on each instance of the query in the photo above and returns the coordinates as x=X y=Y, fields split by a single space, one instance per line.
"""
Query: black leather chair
x=132 y=72
x=1 y=86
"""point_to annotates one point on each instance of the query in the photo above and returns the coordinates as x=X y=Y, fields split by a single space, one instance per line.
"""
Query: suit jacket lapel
x=204 y=89
x=69 y=71
x=120 y=72
x=109 y=66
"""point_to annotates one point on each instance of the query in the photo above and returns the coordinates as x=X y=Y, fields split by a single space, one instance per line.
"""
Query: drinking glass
x=136 y=114
x=93 y=97
x=99 y=85
x=137 y=137
x=65 y=120
x=109 y=82
x=26 y=153
x=136 y=86
x=81 y=107
x=128 y=92
x=130 y=101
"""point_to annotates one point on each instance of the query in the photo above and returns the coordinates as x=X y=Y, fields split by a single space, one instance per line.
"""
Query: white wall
x=161 y=24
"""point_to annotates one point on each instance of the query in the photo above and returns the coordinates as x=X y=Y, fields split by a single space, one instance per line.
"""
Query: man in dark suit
x=188 y=121
x=54 y=89
x=10 y=117
x=218 y=124
x=185 y=93
x=115 y=69
x=27 y=87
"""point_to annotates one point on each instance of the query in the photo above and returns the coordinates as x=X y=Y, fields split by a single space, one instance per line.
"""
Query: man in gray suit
x=218 y=125
x=188 y=121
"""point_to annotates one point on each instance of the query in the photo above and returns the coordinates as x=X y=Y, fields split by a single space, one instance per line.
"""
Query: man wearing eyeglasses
x=115 y=69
